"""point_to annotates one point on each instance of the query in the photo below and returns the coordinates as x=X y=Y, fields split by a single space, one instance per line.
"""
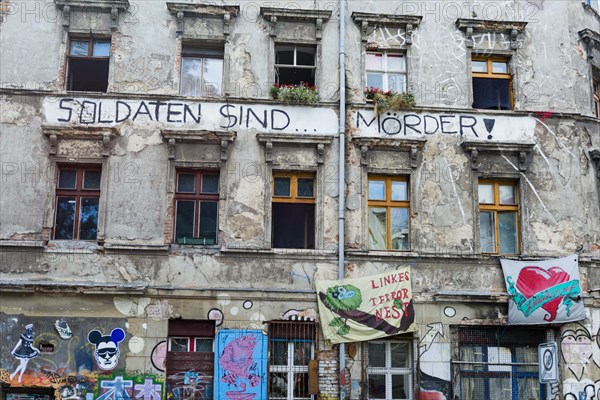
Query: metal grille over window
x=389 y=370
x=499 y=363
x=291 y=353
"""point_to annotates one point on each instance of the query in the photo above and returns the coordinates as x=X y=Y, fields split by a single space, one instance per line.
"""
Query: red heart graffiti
x=533 y=280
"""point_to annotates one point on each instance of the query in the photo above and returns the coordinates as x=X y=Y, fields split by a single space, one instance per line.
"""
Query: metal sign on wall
x=548 y=363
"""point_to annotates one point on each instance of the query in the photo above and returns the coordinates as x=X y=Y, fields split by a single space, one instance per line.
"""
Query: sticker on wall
x=63 y=329
x=24 y=351
x=159 y=356
x=543 y=292
x=241 y=365
x=107 y=348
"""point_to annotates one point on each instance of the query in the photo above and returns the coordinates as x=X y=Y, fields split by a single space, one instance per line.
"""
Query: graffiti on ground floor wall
x=189 y=385
x=24 y=351
x=434 y=364
x=580 y=351
x=97 y=386
x=241 y=365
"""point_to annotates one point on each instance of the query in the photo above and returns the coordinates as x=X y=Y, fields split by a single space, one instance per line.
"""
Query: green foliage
x=390 y=100
x=343 y=298
x=294 y=94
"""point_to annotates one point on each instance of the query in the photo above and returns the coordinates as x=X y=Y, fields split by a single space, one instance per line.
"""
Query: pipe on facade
x=342 y=176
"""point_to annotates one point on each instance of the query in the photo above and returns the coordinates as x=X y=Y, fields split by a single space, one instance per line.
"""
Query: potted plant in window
x=389 y=100
x=302 y=93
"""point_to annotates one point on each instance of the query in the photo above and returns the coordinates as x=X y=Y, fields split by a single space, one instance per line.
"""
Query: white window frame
x=389 y=372
x=191 y=339
x=290 y=368
x=385 y=71
x=205 y=90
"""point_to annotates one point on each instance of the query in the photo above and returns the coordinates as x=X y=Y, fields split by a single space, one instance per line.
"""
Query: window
x=596 y=87
x=491 y=83
x=201 y=71
x=499 y=217
x=77 y=201
x=386 y=71
x=499 y=363
x=292 y=347
x=295 y=65
x=388 y=213
x=196 y=207
x=88 y=64
x=389 y=370
x=293 y=210
x=190 y=358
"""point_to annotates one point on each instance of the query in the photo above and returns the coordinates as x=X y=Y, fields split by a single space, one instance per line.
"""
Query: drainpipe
x=342 y=177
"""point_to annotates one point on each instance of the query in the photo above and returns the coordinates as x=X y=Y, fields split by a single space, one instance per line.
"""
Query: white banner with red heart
x=543 y=292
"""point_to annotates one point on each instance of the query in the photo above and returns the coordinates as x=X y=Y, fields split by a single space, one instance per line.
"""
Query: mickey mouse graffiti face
x=107 y=348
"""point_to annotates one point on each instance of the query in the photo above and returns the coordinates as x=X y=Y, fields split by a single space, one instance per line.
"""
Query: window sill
x=274 y=252
x=136 y=246
x=63 y=246
x=22 y=243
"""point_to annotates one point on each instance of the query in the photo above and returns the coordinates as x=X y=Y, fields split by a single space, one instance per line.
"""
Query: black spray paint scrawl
x=107 y=348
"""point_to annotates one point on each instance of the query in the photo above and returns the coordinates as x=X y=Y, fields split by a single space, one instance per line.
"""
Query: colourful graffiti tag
x=241 y=365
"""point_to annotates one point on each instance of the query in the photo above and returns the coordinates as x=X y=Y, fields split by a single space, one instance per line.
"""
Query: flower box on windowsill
x=390 y=100
x=196 y=240
x=294 y=94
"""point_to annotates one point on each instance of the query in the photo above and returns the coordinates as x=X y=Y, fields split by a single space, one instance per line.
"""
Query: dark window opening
x=492 y=82
x=88 y=65
x=491 y=94
x=293 y=226
x=295 y=65
x=293 y=211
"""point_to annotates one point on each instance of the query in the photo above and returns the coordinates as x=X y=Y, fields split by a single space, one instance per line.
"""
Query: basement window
x=88 y=65
x=295 y=65
x=293 y=210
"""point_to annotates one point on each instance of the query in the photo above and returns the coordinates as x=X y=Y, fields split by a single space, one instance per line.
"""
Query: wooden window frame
x=385 y=71
x=198 y=196
x=78 y=192
x=388 y=371
x=489 y=74
x=388 y=204
x=496 y=207
x=294 y=198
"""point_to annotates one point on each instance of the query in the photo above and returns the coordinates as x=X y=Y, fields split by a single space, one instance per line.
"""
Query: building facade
x=170 y=196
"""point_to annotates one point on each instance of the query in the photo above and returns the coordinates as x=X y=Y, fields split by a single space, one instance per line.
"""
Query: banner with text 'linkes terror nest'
x=543 y=292
x=359 y=309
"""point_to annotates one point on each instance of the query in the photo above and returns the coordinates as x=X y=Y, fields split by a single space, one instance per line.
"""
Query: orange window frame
x=490 y=74
x=293 y=197
x=388 y=203
x=496 y=207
